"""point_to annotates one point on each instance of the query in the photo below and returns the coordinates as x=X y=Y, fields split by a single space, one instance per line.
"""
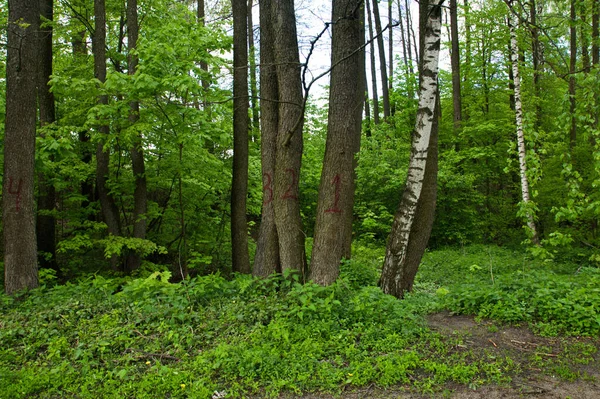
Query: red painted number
x=268 y=189
x=290 y=192
x=16 y=193
x=337 y=182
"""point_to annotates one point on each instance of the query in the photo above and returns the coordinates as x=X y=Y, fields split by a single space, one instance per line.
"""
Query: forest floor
x=547 y=369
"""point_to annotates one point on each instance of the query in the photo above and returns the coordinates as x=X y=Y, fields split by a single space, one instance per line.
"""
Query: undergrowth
x=212 y=337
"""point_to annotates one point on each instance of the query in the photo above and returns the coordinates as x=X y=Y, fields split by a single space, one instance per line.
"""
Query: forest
x=279 y=198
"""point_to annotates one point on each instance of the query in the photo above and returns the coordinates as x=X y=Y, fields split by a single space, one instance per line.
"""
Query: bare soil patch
x=551 y=367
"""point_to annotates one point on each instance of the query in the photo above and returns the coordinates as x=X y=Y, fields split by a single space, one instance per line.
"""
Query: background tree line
x=134 y=153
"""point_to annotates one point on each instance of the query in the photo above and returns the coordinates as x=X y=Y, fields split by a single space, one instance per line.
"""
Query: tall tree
x=140 y=194
x=407 y=67
x=537 y=60
x=595 y=33
x=525 y=191
x=373 y=65
x=288 y=157
x=110 y=212
x=252 y=64
x=266 y=260
x=583 y=34
x=390 y=47
x=382 y=62
x=18 y=207
x=414 y=219
x=333 y=227
x=572 y=70
x=46 y=223
x=455 y=63
x=239 y=185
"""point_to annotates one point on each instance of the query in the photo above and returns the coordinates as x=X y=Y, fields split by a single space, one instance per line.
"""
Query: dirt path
x=551 y=368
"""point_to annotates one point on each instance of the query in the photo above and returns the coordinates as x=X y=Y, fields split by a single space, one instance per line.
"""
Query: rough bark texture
x=266 y=260
x=140 y=194
x=110 y=212
x=373 y=65
x=288 y=157
x=413 y=220
x=525 y=193
x=18 y=208
x=46 y=224
x=252 y=64
x=239 y=185
x=382 y=63
x=333 y=226
x=455 y=62
x=572 y=69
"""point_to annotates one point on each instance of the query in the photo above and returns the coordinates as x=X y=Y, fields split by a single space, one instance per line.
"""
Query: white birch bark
x=393 y=273
x=525 y=193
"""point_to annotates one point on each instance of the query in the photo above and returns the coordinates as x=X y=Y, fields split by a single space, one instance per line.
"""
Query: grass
x=210 y=337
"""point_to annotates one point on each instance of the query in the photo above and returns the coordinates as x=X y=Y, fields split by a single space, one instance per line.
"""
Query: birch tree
x=414 y=219
x=525 y=194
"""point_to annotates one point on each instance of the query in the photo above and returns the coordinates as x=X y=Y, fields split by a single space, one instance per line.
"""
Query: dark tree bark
x=18 y=208
x=46 y=224
x=373 y=65
x=414 y=219
x=266 y=260
x=572 y=69
x=252 y=59
x=110 y=212
x=239 y=185
x=595 y=33
x=390 y=50
x=333 y=227
x=455 y=62
x=201 y=15
x=468 y=59
x=537 y=61
x=409 y=36
x=382 y=62
x=407 y=67
x=583 y=33
x=288 y=158
x=140 y=194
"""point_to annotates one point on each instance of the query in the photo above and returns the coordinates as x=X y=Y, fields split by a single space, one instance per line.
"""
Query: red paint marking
x=337 y=182
x=289 y=193
x=16 y=193
x=268 y=189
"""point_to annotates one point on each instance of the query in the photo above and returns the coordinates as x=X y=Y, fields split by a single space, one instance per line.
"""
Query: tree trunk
x=373 y=65
x=468 y=59
x=239 y=185
x=572 y=69
x=140 y=194
x=519 y=123
x=537 y=60
x=585 y=44
x=333 y=226
x=288 y=156
x=18 y=208
x=200 y=13
x=407 y=67
x=252 y=59
x=46 y=224
x=595 y=33
x=266 y=260
x=382 y=62
x=390 y=50
x=110 y=212
x=455 y=62
x=414 y=219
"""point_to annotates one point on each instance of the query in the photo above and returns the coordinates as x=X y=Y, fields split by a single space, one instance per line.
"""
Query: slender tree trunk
x=466 y=75
x=572 y=69
x=409 y=36
x=595 y=33
x=333 y=227
x=390 y=49
x=414 y=37
x=253 y=84
x=288 y=157
x=583 y=32
x=382 y=62
x=367 y=106
x=239 y=185
x=201 y=15
x=46 y=224
x=266 y=260
x=414 y=219
x=455 y=62
x=140 y=194
x=373 y=65
x=537 y=60
x=407 y=67
x=18 y=207
x=110 y=212
x=525 y=193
